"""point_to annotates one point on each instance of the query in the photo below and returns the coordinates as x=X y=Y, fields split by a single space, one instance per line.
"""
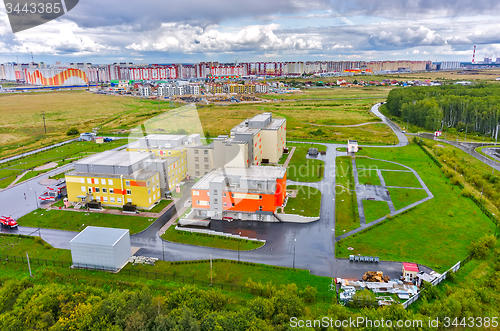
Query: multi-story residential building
x=252 y=193
x=145 y=90
x=213 y=88
x=222 y=152
x=261 y=88
x=265 y=136
x=114 y=179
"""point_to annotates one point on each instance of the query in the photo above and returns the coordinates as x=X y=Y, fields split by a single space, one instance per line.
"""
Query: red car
x=8 y=222
x=227 y=218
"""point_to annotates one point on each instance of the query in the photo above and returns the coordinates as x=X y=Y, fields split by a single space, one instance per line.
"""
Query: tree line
x=474 y=108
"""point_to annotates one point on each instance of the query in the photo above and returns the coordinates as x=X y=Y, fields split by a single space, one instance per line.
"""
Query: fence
x=260 y=290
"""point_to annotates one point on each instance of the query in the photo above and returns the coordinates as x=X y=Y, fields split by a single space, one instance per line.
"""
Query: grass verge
x=301 y=169
x=306 y=203
x=346 y=206
x=375 y=210
x=402 y=197
x=397 y=178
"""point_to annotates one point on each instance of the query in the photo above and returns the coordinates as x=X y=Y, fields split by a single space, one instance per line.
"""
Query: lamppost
x=163 y=249
x=239 y=248
x=36 y=200
x=294 y=240
x=38 y=225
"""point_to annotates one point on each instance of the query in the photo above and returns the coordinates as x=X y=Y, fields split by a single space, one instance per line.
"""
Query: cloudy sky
x=164 y=31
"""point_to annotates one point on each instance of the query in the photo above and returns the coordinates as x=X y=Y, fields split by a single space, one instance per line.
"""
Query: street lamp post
x=294 y=253
x=38 y=225
x=239 y=248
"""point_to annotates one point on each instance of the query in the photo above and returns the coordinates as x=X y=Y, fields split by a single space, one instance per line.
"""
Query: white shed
x=101 y=248
x=352 y=146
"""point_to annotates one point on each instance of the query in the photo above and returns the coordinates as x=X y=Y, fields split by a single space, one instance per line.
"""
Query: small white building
x=410 y=271
x=352 y=146
x=101 y=248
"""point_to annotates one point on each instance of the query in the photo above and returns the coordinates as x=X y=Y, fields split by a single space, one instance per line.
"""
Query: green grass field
x=427 y=234
x=61 y=155
x=23 y=127
x=369 y=164
x=201 y=239
x=77 y=221
x=306 y=203
x=346 y=207
x=402 y=197
x=375 y=210
x=301 y=169
x=368 y=177
x=36 y=248
x=397 y=178
x=160 y=206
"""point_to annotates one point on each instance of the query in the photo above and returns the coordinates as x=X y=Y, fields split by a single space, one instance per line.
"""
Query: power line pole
x=44 y=127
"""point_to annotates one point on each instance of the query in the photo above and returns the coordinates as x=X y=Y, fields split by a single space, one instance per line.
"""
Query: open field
x=22 y=124
x=346 y=207
x=201 y=239
x=301 y=169
x=428 y=234
x=365 y=164
x=368 y=177
x=402 y=197
x=61 y=155
x=306 y=203
x=332 y=93
x=375 y=210
x=77 y=221
x=399 y=178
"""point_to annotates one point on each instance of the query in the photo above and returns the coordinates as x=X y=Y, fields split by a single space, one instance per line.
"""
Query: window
x=103 y=181
x=196 y=151
x=196 y=159
x=205 y=159
x=129 y=200
x=153 y=180
x=158 y=185
x=110 y=182
x=127 y=182
x=82 y=180
x=83 y=189
x=129 y=192
x=154 y=188
x=147 y=183
x=206 y=166
x=105 y=199
x=149 y=200
x=111 y=191
x=232 y=195
x=205 y=152
x=197 y=166
x=96 y=180
x=149 y=191
x=225 y=204
x=98 y=198
x=232 y=204
x=104 y=190
x=260 y=208
x=112 y=199
x=216 y=200
x=97 y=190
x=225 y=194
x=215 y=191
x=90 y=189
x=89 y=181
x=169 y=153
x=260 y=197
x=197 y=173
x=119 y=200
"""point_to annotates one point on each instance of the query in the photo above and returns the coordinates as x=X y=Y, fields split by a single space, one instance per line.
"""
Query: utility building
x=252 y=193
x=101 y=248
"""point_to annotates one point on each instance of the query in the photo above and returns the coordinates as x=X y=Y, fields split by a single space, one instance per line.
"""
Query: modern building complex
x=252 y=193
x=260 y=139
x=117 y=178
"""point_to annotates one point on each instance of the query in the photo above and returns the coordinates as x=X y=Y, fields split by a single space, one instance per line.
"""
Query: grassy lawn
x=160 y=206
x=178 y=195
x=375 y=210
x=346 y=206
x=396 y=178
x=23 y=126
x=301 y=169
x=61 y=155
x=306 y=203
x=368 y=164
x=202 y=239
x=427 y=234
x=77 y=221
x=368 y=177
x=402 y=197
x=36 y=248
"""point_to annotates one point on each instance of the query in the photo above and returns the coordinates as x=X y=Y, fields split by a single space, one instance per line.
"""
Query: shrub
x=72 y=131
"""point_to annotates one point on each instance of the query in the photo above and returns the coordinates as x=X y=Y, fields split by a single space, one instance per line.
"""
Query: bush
x=479 y=249
x=72 y=131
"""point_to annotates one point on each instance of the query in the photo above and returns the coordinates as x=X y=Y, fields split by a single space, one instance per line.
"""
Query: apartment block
x=252 y=193
x=265 y=136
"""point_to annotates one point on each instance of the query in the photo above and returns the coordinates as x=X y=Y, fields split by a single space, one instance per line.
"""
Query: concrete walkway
x=289 y=158
x=16 y=180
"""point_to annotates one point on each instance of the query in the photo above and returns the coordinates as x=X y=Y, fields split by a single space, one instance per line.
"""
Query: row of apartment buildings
x=232 y=179
x=38 y=73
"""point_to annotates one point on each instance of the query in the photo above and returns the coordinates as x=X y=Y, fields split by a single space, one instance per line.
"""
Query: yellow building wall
x=143 y=193
x=177 y=171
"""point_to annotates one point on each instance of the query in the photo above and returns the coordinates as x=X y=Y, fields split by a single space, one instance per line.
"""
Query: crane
x=474 y=54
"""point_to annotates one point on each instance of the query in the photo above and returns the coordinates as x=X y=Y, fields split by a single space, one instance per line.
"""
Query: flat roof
x=115 y=158
x=140 y=175
x=99 y=236
x=252 y=172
